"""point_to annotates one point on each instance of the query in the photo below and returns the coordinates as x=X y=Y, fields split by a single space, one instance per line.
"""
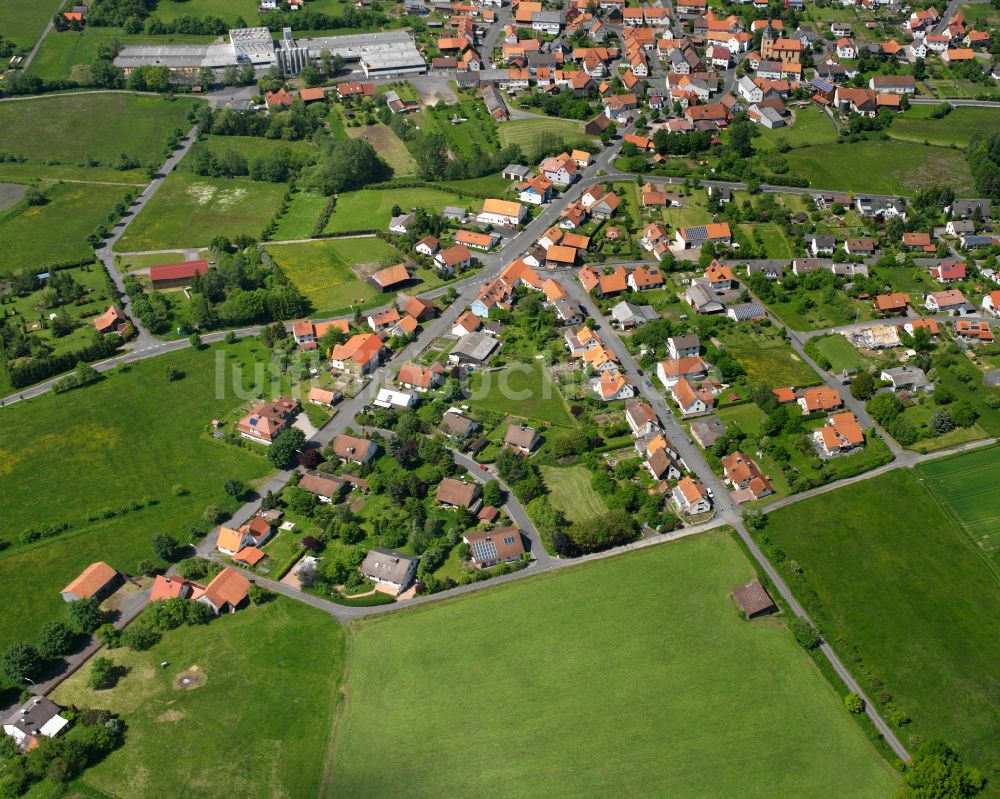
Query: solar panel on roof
x=700 y=232
x=509 y=539
x=484 y=550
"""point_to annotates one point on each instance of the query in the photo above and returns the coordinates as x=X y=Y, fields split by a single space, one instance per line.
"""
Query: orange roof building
x=95 y=582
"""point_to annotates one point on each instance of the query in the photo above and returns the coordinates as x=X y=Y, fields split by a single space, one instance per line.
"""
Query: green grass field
x=773 y=239
x=957 y=128
x=228 y=10
x=322 y=271
x=839 y=352
x=521 y=390
x=769 y=359
x=811 y=126
x=251 y=147
x=128 y=437
x=71 y=128
x=189 y=211
x=301 y=217
x=28 y=172
x=886 y=572
x=23 y=22
x=965 y=487
x=570 y=492
x=638 y=679
x=69 y=54
x=525 y=132
x=271 y=676
x=980 y=15
x=389 y=147
x=478 y=131
x=74 y=210
x=371 y=209
x=891 y=167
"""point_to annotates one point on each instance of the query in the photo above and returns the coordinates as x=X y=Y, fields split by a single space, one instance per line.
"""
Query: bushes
x=85 y=615
x=102 y=674
x=170 y=614
x=25 y=373
x=804 y=633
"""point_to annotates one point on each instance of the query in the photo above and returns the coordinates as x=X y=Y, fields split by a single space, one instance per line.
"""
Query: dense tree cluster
x=984 y=161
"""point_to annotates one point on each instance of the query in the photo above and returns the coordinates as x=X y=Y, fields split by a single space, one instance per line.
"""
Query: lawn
x=638 y=679
x=822 y=313
x=839 y=352
x=190 y=211
x=389 y=147
x=75 y=127
x=301 y=217
x=811 y=126
x=495 y=184
x=272 y=675
x=468 y=139
x=771 y=237
x=965 y=487
x=28 y=172
x=891 y=167
x=252 y=147
x=228 y=10
x=956 y=128
x=371 y=209
x=322 y=271
x=981 y=15
x=75 y=210
x=767 y=357
x=570 y=492
x=525 y=132
x=133 y=436
x=69 y=54
x=523 y=390
x=886 y=573
x=23 y=22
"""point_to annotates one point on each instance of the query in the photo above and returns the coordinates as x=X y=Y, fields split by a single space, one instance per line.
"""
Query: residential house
x=420 y=378
x=671 y=371
x=267 y=420
x=401 y=224
x=697 y=235
x=991 y=303
x=489 y=547
x=326 y=487
x=459 y=494
x=707 y=431
x=819 y=398
x=39 y=717
x=391 y=569
x=690 y=496
x=745 y=476
x=974 y=330
x=948 y=271
x=457 y=424
x=907 y=378
x=521 y=438
x=502 y=212
x=945 y=301
x=686 y=346
x=641 y=417
x=360 y=354
x=892 y=304
x=626 y=316
x=644 y=278
x=691 y=401
x=612 y=385
x=111 y=321
x=841 y=433
x=353 y=449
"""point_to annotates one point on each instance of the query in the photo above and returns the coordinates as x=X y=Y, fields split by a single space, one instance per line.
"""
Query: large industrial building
x=380 y=55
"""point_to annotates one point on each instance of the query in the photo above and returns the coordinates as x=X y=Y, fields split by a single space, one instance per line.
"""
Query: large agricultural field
x=907 y=598
x=190 y=211
x=522 y=389
x=75 y=210
x=324 y=271
x=72 y=128
x=132 y=437
x=637 y=679
x=892 y=167
x=270 y=675
x=966 y=488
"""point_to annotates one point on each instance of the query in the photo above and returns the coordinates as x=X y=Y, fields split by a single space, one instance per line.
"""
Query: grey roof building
x=474 y=349
x=964 y=209
x=907 y=378
x=625 y=314
x=707 y=430
x=388 y=566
